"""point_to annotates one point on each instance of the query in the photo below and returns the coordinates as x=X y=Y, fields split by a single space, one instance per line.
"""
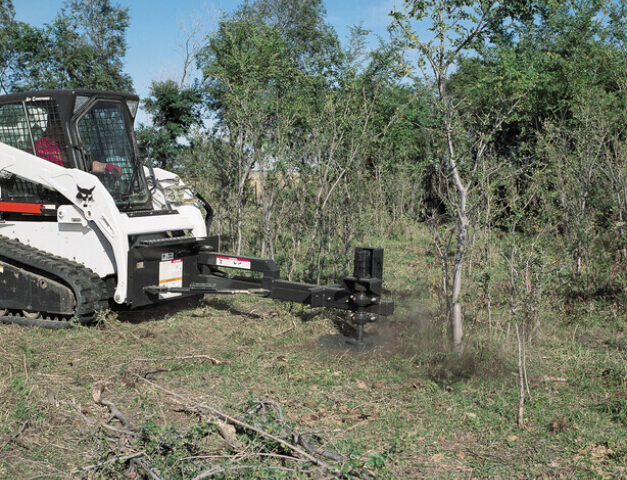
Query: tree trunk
x=267 y=201
x=456 y=318
x=521 y=382
x=238 y=226
x=621 y=228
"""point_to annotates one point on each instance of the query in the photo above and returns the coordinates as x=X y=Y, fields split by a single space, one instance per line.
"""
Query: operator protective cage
x=81 y=127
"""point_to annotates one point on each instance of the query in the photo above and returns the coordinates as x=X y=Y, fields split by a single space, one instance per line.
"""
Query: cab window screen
x=45 y=133
x=39 y=133
x=103 y=131
x=14 y=127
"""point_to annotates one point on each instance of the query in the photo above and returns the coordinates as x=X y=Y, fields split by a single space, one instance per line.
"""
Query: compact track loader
x=84 y=226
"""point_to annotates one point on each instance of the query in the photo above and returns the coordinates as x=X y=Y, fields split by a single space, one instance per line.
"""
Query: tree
x=82 y=48
x=311 y=42
x=456 y=26
x=7 y=24
x=249 y=79
x=22 y=47
x=101 y=26
x=174 y=111
x=566 y=48
x=570 y=123
x=587 y=154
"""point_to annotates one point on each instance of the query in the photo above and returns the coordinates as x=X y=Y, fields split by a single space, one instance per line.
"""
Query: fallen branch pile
x=261 y=434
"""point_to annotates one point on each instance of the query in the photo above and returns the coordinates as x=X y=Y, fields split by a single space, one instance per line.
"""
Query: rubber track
x=89 y=290
x=37 y=322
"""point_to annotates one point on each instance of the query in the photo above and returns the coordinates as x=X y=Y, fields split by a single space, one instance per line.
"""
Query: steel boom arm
x=359 y=293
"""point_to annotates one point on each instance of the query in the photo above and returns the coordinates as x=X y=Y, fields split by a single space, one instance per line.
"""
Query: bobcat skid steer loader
x=84 y=226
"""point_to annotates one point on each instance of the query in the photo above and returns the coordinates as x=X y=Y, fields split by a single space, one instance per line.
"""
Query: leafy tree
x=7 y=24
x=310 y=41
x=174 y=111
x=101 y=26
x=249 y=81
x=82 y=48
x=464 y=139
x=565 y=49
x=314 y=124
x=32 y=59
x=568 y=125
x=587 y=154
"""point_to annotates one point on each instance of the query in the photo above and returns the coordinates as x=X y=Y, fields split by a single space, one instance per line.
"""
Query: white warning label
x=170 y=275
x=233 y=262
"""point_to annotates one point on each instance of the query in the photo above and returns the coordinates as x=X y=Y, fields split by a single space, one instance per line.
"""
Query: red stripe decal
x=21 y=207
x=234 y=259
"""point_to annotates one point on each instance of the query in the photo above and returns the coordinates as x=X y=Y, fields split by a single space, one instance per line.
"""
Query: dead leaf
x=96 y=391
x=599 y=453
x=129 y=381
x=471 y=415
x=438 y=457
x=227 y=431
x=76 y=423
x=460 y=454
x=52 y=399
x=361 y=385
x=559 y=425
x=512 y=438
x=131 y=473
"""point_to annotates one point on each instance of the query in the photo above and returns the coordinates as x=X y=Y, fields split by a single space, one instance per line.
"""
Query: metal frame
x=359 y=294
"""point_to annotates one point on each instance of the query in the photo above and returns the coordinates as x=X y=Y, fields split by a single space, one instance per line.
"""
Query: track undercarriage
x=44 y=290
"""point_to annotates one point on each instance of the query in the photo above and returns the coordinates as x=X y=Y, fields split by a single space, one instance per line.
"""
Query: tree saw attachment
x=360 y=293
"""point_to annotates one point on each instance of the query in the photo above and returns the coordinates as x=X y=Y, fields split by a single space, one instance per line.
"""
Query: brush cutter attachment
x=360 y=293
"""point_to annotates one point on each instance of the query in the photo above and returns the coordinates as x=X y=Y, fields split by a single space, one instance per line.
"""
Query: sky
x=156 y=31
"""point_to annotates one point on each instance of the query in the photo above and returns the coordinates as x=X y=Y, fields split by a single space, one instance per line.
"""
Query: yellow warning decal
x=167 y=280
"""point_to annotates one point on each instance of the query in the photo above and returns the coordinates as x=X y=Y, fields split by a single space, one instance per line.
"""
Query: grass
x=408 y=409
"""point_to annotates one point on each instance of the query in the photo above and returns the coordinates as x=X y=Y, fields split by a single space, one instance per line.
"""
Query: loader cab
x=85 y=129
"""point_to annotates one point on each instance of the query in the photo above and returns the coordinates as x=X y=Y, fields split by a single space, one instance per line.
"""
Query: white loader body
x=93 y=231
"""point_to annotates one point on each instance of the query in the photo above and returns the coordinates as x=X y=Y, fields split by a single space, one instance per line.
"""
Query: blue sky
x=155 y=35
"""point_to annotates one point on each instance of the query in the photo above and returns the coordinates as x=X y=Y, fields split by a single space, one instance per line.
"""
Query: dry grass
x=405 y=410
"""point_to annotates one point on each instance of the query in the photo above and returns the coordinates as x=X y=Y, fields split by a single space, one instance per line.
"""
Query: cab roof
x=66 y=95
x=66 y=99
